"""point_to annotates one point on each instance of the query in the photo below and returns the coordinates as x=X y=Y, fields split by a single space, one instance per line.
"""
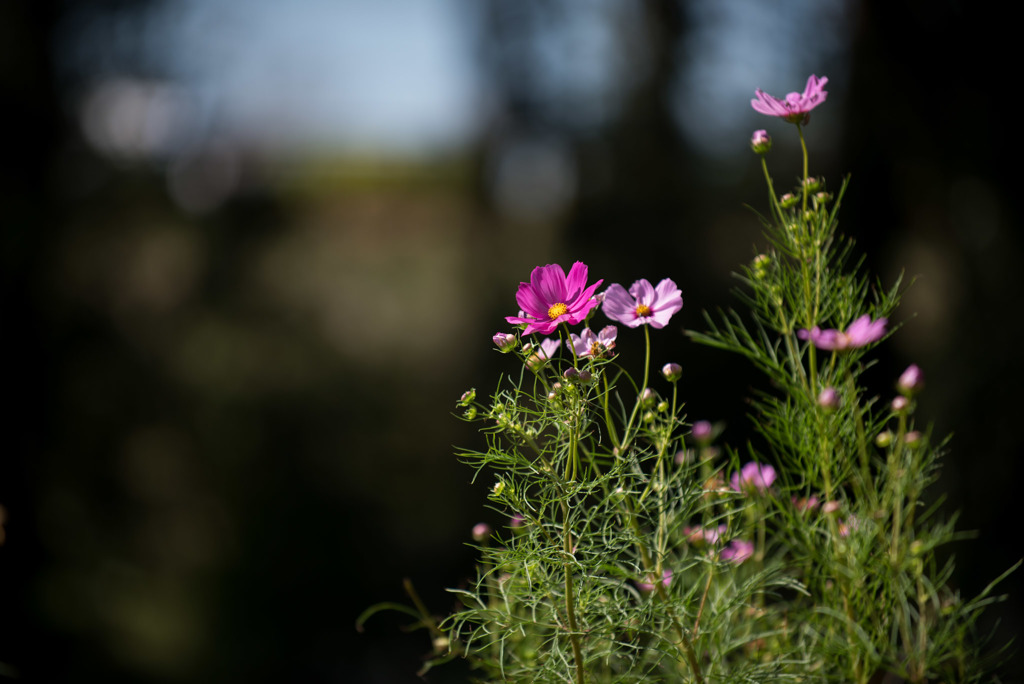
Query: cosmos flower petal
x=642 y=292
x=619 y=306
x=548 y=283
x=576 y=281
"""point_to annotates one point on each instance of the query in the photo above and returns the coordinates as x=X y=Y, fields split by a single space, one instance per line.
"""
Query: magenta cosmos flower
x=797 y=106
x=643 y=304
x=861 y=332
x=552 y=298
x=589 y=344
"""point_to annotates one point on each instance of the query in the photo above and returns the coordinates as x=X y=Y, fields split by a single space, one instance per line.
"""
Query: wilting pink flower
x=648 y=585
x=753 y=477
x=797 y=106
x=589 y=344
x=552 y=298
x=861 y=332
x=737 y=551
x=911 y=380
x=643 y=304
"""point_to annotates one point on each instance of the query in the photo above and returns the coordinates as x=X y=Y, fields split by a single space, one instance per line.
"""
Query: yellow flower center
x=557 y=310
x=642 y=310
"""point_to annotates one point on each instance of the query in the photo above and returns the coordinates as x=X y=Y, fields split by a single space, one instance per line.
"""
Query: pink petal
x=576 y=281
x=642 y=292
x=549 y=284
x=619 y=306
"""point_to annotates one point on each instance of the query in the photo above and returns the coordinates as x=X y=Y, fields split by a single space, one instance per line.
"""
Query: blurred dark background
x=252 y=252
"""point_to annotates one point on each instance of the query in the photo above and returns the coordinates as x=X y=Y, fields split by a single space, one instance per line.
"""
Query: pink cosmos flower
x=643 y=304
x=700 y=536
x=648 y=584
x=737 y=551
x=552 y=298
x=589 y=344
x=753 y=477
x=538 y=354
x=797 y=106
x=861 y=332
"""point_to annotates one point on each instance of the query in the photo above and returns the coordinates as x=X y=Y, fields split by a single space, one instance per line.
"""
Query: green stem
x=570 y=599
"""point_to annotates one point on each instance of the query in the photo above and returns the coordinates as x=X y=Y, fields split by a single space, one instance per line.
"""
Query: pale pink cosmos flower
x=796 y=107
x=552 y=298
x=643 y=304
x=700 y=536
x=861 y=332
x=738 y=551
x=753 y=477
x=539 y=354
x=589 y=344
x=648 y=584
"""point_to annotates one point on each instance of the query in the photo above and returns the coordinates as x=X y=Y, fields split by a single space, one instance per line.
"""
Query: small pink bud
x=911 y=381
x=912 y=438
x=505 y=342
x=648 y=397
x=760 y=142
x=701 y=432
x=900 y=404
x=828 y=399
x=481 y=531
x=672 y=372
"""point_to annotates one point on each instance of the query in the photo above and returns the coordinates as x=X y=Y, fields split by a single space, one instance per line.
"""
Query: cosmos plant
x=626 y=544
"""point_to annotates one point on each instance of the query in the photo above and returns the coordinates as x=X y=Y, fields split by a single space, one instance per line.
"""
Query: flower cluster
x=552 y=298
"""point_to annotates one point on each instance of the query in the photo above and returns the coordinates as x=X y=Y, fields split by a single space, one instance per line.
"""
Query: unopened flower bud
x=672 y=371
x=760 y=142
x=761 y=262
x=828 y=399
x=498 y=489
x=812 y=184
x=900 y=404
x=571 y=374
x=662 y=406
x=467 y=397
x=822 y=197
x=912 y=438
x=788 y=200
x=911 y=381
x=481 y=531
x=883 y=439
x=585 y=376
x=830 y=507
x=701 y=432
x=648 y=397
x=505 y=342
